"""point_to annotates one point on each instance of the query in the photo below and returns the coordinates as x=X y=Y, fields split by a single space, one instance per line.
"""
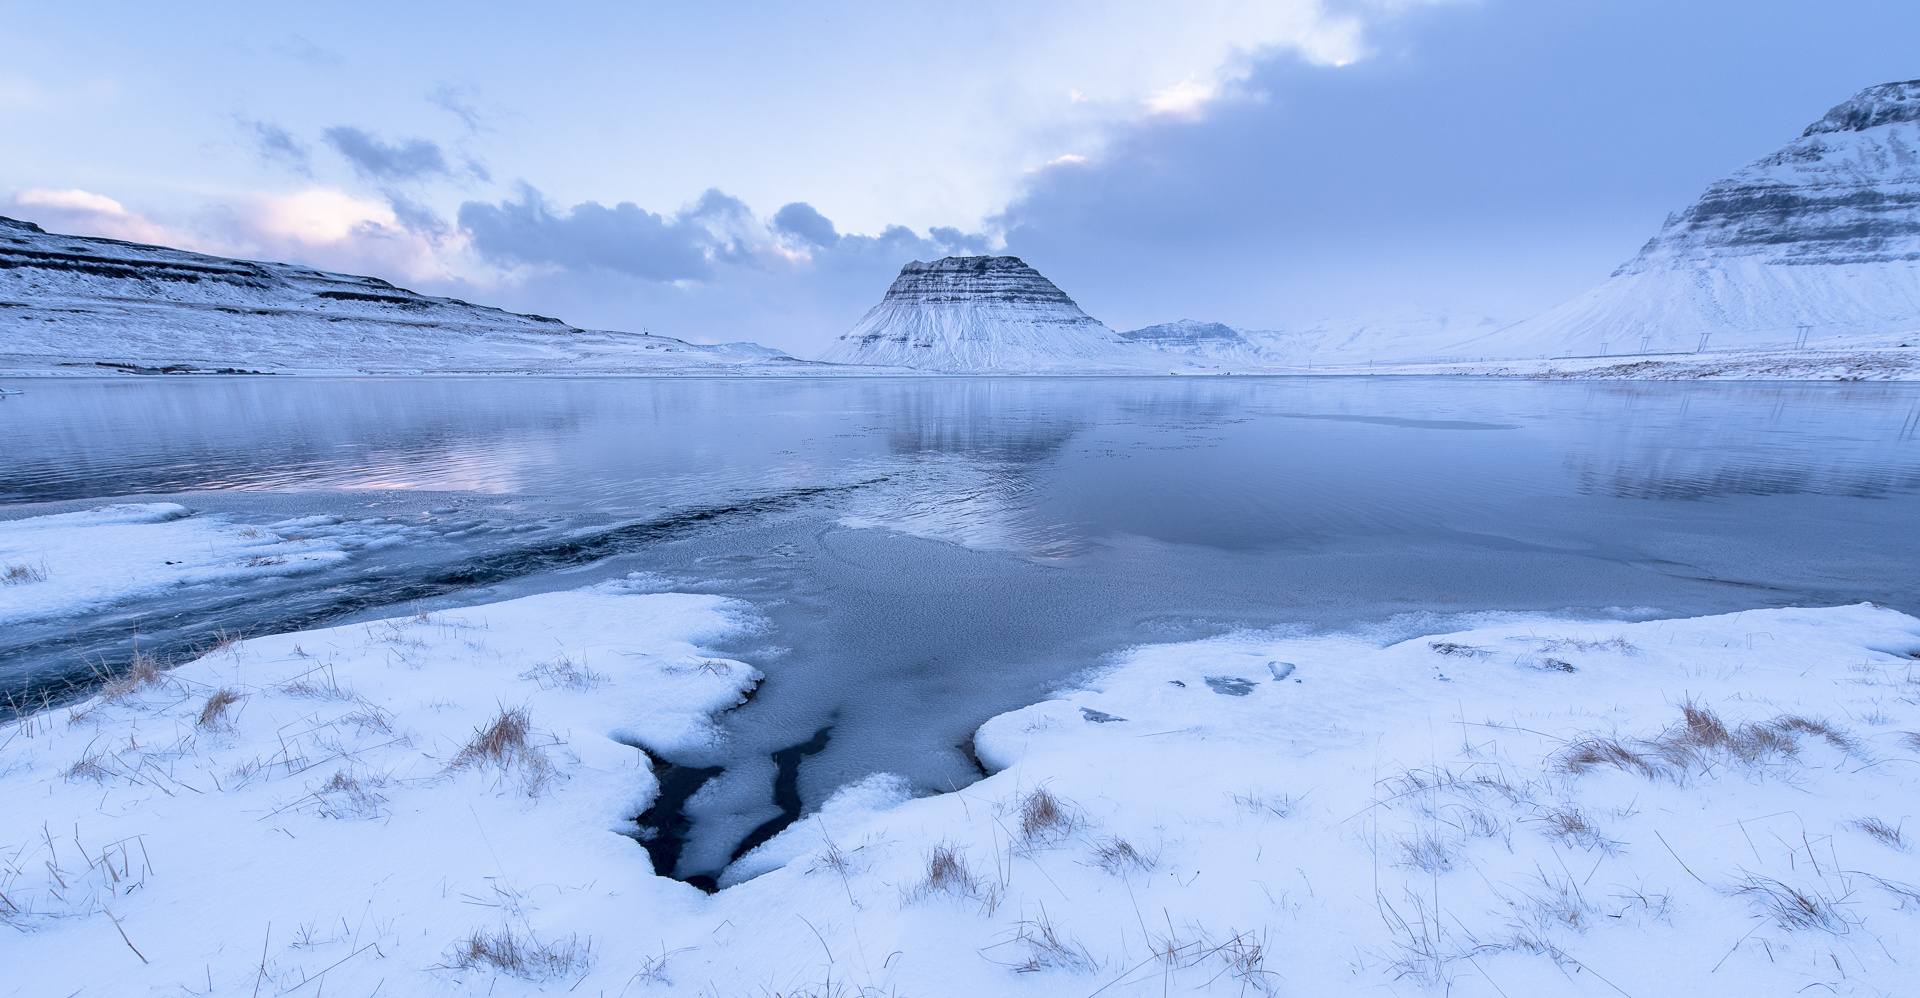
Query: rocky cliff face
x=1820 y=240
x=68 y=300
x=980 y=313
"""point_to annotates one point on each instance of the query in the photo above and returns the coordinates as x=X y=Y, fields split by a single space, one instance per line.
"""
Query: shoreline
x=1245 y=788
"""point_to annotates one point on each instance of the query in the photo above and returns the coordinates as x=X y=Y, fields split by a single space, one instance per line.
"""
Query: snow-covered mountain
x=982 y=313
x=1413 y=335
x=1819 y=240
x=79 y=300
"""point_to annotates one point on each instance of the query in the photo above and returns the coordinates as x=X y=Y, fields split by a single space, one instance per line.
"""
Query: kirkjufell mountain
x=981 y=313
x=70 y=301
x=1819 y=242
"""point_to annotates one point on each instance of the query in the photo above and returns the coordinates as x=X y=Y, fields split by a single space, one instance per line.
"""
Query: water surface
x=927 y=552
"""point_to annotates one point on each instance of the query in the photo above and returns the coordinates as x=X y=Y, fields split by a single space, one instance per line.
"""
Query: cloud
x=625 y=238
x=801 y=221
x=88 y=214
x=1182 y=100
x=275 y=145
x=377 y=160
x=459 y=101
x=298 y=47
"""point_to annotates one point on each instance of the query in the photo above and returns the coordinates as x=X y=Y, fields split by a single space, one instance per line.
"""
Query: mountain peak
x=1870 y=108
x=976 y=313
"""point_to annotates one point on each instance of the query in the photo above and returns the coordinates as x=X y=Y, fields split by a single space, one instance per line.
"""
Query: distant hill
x=80 y=301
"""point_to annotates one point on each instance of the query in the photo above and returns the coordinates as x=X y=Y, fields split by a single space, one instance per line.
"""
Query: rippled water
x=929 y=552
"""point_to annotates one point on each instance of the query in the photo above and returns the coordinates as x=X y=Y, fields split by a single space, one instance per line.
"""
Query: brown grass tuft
x=503 y=744
x=948 y=873
x=20 y=575
x=213 y=716
x=143 y=673
x=528 y=959
x=1794 y=907
x=565 y=674
x=1043 y=817
x=1117 y=856
x=1888 y=834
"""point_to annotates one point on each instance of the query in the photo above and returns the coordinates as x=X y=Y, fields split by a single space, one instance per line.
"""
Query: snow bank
x=71 y=562
x=1524 y=808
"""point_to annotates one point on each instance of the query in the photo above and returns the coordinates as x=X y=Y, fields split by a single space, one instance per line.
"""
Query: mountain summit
x=980 y=313
x=1819 y=242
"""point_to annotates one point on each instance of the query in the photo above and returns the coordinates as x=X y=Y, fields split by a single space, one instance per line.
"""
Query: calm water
x=929 y=552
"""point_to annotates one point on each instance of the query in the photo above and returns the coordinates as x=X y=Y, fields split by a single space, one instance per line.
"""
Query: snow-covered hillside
x=1819 y=241
x=69 y=301
x=978 y=314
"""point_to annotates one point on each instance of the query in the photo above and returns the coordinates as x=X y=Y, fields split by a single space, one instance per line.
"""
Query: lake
x=924 y=553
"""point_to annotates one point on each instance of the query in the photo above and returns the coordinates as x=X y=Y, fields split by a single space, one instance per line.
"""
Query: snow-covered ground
x=441 y=804
x=1889 y=363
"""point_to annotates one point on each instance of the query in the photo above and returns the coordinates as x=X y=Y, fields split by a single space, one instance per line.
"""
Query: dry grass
x=507 y=952
x=143 y=673
x=349 y=795
x=1795 y=907
x=1047 y=949
x=91 y=767
x=564 y=673
x=1118 y=856
x=947 y=872
x=502 y=743
x=1450 y=648
x=1569 y=823
x=1888 y=834
x=317 y=684
x=1702 y=740
x=1910 y=739
x=1044 y=817
x=20 y=575
x=213 y=716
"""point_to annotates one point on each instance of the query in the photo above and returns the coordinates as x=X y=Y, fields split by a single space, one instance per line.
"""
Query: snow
x=71 y=562
x=1252 y=813
x=77 y=301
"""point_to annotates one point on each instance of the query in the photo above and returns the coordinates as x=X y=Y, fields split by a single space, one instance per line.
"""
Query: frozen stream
x=929 y=552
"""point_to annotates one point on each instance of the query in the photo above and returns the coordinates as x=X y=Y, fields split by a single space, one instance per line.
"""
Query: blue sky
x=755 y=171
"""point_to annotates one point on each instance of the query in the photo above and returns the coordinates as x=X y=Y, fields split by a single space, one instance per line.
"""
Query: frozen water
x=927 y=553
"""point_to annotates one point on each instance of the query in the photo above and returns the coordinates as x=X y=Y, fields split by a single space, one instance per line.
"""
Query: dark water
x=929 y=552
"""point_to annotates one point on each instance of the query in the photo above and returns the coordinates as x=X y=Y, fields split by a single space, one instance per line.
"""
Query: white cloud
x=1182 y=100
x=86 y=213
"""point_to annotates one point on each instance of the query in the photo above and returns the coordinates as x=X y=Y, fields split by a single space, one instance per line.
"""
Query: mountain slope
x=1823 y=234
x=68 y=300
x=982 y=313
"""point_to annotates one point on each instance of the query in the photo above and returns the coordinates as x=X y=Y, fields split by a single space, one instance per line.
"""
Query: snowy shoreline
x=442 y=804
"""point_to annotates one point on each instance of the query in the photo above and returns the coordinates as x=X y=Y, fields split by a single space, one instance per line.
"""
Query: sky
x=748 y=171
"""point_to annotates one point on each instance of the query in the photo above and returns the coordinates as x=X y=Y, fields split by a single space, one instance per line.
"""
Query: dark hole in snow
x=1099 y=716
x=663 y=827
x=1232 y=686
x=786 y=790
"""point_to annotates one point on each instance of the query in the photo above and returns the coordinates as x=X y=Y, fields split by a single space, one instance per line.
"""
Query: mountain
x=1351 y=340
x=83 y=301
x=1819 y=240
x=982 y=313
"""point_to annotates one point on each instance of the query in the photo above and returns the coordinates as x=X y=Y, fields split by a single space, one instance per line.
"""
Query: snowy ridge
x=978 y=314
x=1824 y=233
x=67 y=300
